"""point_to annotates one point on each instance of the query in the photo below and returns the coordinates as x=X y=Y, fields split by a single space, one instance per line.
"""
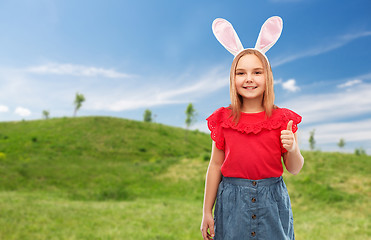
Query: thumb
x=289 y=125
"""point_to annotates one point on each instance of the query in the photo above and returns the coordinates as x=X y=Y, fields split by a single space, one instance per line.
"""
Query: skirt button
x=253 y=234
x=254 y=183
x=253 y=199
x=253 y=216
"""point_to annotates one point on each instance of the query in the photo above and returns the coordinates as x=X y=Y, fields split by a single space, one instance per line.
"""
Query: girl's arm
x=292 y=159
x=213 y=178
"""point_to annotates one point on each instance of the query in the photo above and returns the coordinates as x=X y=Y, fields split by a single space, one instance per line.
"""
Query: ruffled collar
x=256 y=122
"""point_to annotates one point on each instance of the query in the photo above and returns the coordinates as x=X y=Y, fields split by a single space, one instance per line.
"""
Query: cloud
x=200 y=126
x=131 y=104
x=332 y=45
x=343 y=114
x=278 y=81
x=76 y=70
x=354 y=131
x=352 y=36
x=330 y=107
x=290 y=85
x=23 y=112
x=181 y=91
x=4 y=108
x=350 y=83
x=23 y=87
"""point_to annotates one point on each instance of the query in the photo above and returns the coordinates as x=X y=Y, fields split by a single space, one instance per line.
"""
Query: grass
x=91 y=158
x=41 y=217
x=331 y=196
x=110 y=178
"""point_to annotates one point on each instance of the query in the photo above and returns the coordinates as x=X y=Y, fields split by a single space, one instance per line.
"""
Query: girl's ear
x=269 y=34
x=227 y=36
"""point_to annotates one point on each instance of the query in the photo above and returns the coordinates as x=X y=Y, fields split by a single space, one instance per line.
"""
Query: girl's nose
x=248 y=78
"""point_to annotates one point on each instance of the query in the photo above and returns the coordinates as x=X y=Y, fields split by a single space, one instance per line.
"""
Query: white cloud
x=334 y=44
x=328 y=107
x=343 y=114
x=23 y=112
x=354 y=131
x=131 y=104
x=160 y=94
x=4 y=108
x=278 y=81
x=23 y=87
x=201 y=126
x=20 y=88
x=353 y=36
x=350 y=83
x=76 y=70
x=290 y=85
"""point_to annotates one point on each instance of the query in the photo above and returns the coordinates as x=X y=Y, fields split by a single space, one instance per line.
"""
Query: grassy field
x=110 y=178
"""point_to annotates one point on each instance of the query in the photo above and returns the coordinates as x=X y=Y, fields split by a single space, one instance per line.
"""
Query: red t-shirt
x=253 y=147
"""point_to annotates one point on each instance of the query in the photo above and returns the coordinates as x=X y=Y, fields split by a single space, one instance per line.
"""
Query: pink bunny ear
x=269 y=34
x=227 y=36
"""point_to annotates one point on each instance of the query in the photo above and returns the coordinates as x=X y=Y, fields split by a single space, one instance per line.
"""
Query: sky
x=129 y=56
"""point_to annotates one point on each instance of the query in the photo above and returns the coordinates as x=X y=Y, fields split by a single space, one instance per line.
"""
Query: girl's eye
x=239 y=73
x=258 y=72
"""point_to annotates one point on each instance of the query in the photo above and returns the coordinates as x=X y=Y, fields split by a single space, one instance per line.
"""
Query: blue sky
x=127 y=56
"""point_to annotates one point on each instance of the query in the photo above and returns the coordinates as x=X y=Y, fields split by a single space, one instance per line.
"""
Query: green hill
x=111 y=178
x=92 y=158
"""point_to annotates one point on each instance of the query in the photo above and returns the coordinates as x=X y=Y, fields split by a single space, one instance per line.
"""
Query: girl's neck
x=252 y=106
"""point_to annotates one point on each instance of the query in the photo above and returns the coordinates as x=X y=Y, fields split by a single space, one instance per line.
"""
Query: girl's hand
x=288 y=138
x=207 y=224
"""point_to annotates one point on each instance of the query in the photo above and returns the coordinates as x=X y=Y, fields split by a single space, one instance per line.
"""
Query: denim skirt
x=253 y=209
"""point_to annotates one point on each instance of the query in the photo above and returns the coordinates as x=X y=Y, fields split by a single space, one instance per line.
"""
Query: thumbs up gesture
x=288 y=138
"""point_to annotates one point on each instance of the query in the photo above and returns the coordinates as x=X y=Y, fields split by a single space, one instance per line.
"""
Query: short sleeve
x=214 y=122
x=287 y=116
x=290 y=115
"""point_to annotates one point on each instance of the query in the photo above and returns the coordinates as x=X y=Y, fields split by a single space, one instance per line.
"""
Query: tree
x=79 y=99
x=312 y=141
x=359 y=151
x=191 y=115
x=341 y=143
x=46 y=114
x=147 y=116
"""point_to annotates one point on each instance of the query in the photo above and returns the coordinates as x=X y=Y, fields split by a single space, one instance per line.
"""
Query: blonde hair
x=268 y=96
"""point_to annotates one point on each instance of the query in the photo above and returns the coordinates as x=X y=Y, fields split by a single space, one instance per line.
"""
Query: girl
x=249 y=139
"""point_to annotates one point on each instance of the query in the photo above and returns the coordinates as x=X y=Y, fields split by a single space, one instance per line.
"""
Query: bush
x=206 y=157
x=359 y=151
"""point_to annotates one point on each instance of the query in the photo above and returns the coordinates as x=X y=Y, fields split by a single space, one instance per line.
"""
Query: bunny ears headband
x=268 y=36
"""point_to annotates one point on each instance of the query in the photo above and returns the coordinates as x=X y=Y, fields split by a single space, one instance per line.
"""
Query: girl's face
x=250 y=77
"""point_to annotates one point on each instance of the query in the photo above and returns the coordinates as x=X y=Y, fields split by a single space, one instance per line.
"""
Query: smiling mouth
x=250 y=88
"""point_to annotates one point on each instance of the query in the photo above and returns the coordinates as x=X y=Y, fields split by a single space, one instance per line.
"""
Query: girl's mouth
x=250 y=88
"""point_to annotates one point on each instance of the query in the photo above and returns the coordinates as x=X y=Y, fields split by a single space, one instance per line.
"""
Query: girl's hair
x=268 y=95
